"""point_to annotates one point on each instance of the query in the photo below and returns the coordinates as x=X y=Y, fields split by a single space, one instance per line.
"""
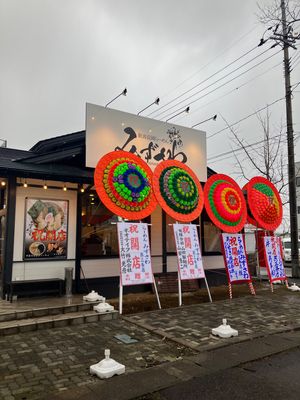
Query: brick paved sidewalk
x=252 y=316
x=36 y=364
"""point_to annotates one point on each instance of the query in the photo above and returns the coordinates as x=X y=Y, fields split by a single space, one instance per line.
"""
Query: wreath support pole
x=120 y=298
x=208 y=291
x=230 y=290
x=179 y=289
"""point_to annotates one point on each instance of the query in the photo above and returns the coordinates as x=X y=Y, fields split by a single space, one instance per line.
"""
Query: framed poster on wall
x=46 y=229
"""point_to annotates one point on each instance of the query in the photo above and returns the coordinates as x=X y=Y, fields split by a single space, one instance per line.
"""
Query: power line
x=294 y=60
x=223 y=84
x=210 y=62
x=297 y=63
x=240 y=148
x=243 y=119
x=236 y=88
x=206 y=87
x=229 y=155
x=204 y=80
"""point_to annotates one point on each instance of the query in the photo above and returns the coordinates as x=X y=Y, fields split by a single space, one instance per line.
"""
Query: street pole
x=290 y=143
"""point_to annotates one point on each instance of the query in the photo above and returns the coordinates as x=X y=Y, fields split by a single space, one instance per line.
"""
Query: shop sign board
x=235 y=257
x=135 y=257
x=273 y=258
x=189 y=257
x=154 y=141
x=46 y=229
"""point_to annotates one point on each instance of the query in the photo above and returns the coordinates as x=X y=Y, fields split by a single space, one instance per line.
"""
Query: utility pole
x=286 y=38
x=290 y=144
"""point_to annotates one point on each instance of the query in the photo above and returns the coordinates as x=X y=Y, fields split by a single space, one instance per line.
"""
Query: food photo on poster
x=46 y=229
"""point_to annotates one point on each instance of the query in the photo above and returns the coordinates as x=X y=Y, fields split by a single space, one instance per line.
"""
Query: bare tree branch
x=269 y=160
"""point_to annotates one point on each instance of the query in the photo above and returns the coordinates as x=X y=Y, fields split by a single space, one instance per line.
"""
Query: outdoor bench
x=33 y=287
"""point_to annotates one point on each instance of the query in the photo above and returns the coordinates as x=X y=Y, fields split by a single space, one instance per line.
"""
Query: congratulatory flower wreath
x=123 y=183
x=264 y=203
x=225 y=203
x=178 y=191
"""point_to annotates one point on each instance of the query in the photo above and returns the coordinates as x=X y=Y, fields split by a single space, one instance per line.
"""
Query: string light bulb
x=65 y=188
x=3 y=183
x=45 y=186
x=25 y=185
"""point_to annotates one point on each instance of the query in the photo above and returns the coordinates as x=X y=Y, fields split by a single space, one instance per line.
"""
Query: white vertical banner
x=235 y=257
x=274 y=263
x=189 y=256
x=135 y=257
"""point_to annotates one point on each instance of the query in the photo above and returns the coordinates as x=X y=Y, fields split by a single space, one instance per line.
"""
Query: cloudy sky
x=56 y=55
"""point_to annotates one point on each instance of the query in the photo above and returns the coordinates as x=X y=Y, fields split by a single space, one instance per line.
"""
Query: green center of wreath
x=179 y=190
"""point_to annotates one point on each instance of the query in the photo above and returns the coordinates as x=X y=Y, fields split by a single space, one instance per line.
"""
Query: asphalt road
x=273 y=378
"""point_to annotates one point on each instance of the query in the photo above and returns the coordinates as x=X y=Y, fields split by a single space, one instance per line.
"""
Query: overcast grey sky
x=56 y=55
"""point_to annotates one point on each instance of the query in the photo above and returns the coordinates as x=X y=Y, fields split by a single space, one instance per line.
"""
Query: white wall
x=42 y=269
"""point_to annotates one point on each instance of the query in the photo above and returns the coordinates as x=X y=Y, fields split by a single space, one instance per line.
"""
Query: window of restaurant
x=171 y=246
x=211 y=239
x=98 y=236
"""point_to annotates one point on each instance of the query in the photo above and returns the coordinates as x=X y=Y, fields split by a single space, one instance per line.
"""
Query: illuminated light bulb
x=65 y=188
x=3 y=183
x=25 y=185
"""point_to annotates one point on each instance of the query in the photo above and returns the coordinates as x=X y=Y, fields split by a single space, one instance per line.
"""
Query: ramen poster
x=46 y=229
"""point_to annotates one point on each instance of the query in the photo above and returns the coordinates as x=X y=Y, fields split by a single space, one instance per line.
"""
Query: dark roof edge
x=42 y=143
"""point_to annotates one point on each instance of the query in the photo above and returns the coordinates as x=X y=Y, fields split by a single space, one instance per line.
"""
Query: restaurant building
x=52 y=218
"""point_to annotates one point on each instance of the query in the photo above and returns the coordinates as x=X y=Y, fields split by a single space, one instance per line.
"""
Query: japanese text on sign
x=274 y=262
x=235 y=257
x=135 y=258
x=188 y=251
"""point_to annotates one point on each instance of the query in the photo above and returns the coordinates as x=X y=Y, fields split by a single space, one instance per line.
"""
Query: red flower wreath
x=225 y=203
x=123 y=183
x=264 y=203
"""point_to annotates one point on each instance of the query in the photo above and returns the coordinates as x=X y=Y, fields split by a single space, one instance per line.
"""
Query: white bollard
x=93 y=296
x=294 y=287
x=224 y=330
x=103 y=307
x=107 y=367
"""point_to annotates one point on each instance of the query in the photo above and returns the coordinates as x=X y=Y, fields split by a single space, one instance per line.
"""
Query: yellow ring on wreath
x=225 y=204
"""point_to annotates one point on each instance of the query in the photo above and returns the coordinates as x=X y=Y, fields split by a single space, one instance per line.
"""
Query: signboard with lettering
x=135 y=257
x=154 y=141
x=188 y=251
x=46 y=229
x=273 y=258
x=235 y=258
